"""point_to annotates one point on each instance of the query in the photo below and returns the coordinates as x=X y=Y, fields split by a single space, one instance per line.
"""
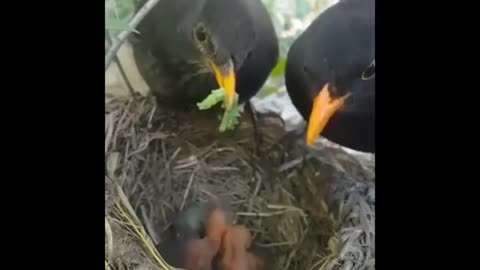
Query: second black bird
x=330 y=75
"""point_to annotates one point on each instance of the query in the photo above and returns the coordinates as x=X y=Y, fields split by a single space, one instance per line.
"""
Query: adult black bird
x=330 y=75
x=187 y=48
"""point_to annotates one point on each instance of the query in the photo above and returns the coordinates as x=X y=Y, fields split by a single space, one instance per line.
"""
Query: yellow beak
x=225 y=76
x=324 y=107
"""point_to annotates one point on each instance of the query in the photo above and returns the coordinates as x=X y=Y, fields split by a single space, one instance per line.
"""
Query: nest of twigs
x=312 y=209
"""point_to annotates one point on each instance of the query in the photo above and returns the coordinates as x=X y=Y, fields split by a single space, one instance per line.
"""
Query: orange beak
x=225 y=76
x=324 y=107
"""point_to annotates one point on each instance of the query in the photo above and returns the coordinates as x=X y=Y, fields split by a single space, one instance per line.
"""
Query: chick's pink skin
x=235 y=244
x=216 y=226
x=200 y=252
x=233 y=241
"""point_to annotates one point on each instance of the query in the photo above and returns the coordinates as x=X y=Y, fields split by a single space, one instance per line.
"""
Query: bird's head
x=322 y=82
x=331 y=66
x=217 y=57
x=333 y=92
x=201 y=37
x=223 y=33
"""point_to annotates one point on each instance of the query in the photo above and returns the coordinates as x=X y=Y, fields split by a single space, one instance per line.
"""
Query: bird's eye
x=200 y=33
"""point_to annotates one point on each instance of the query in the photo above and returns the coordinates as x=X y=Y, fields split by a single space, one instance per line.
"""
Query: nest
x=310 y=208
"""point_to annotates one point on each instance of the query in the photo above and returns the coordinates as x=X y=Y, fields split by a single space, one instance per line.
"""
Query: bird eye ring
x=369 y=72
x=200 y=33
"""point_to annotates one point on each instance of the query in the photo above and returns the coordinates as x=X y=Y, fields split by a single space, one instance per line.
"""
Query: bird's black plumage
x=338 y=48
x=178 y=38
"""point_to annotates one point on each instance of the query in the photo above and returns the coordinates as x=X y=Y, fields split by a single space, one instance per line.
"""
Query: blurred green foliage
x=283 y=14
x=118 y=14
x=302 y=8
x=279 y=69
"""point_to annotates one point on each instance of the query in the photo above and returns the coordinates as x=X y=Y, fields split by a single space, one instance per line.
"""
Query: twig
x=255 y=192
x=249 y=214
x=285 y=243
x=294 y=250
x=107 y=267
x=111 y=38
x=185 y=196
x=108 y=234
x=124 y=34
x=149 y=125
x=126 y=211
x=148 y=226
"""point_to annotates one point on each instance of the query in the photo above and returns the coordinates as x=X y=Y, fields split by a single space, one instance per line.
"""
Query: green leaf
x=279 y=68
x=230 y=118
x=215 y=97
x=231 y=114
